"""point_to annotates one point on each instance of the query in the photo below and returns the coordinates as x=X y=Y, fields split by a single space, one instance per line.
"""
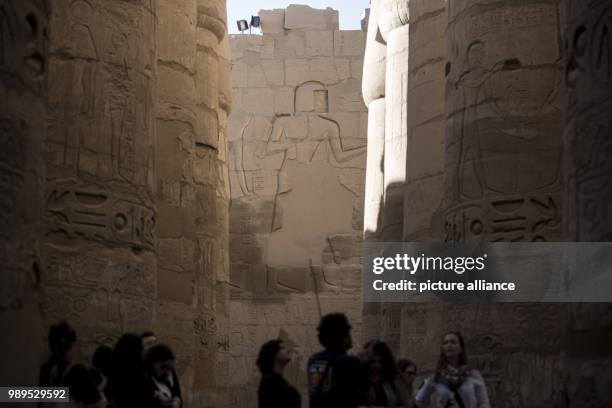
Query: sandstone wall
x=23 y=89
x=297 y=166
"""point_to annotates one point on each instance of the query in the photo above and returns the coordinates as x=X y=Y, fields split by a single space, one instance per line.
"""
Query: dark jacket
x=335 y=380
x=275 y=392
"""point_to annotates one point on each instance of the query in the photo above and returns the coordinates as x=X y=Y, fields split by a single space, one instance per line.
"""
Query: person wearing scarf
x=455 y=384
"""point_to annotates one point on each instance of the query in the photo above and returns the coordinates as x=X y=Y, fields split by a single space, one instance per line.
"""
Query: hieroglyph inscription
x=74 y=213
x=530 y=218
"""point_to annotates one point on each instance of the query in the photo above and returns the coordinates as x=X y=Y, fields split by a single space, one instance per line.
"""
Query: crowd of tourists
x=138 y=372
x=372 y=378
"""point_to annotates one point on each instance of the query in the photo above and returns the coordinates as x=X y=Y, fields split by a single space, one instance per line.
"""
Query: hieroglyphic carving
x=100 y=293
x=503 y=148
x=80 y=213
x=533 y=218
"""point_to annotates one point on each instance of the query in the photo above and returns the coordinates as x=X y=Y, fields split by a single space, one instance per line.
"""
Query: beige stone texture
x=503 y=147
x=374 y=67
x=297 y=172
x=272 y=21
x=23 y=67
x=394 y=28
x=425 y=143
x=99 y=245
x=349 y=43
x=301 y=17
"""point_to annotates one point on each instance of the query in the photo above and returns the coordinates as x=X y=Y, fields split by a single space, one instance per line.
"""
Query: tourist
x=384 y=387
x=335 y=379
x=101 y=361
x=62 y=338
x=126 y=384
x=407 y=371
x=159 y=364
x=454 y=383
x=274 y=391
x=82 y=387
x=149 y=339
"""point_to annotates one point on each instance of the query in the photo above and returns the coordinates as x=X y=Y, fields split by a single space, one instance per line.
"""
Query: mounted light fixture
x=243 y=25
x=255 y=21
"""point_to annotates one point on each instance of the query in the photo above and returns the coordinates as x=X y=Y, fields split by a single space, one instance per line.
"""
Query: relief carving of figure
x=309 y=194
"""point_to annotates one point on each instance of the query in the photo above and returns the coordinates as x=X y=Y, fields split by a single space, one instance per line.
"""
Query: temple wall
x=297 y=141
x=23 y=86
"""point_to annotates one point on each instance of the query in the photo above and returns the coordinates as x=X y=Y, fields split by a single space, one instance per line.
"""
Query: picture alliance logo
x=414 y=264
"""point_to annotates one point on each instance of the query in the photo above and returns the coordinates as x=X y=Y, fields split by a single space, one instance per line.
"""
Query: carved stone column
x=100 y=263
x=503 y=122
x=503 y=178
x=192 y=193
x=588 y=189
x=425 y=142
x=394 y=28
x=373 y=89
x=23 y=69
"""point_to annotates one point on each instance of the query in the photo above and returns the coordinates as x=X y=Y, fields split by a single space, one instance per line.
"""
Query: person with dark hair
x=407 y=371
x=335 y=379
x=101 y=363
x=62 y=338
x=82 y=388
x=274 y=391
x=455 y=385
x=126 y=383
x=384 y=388
x=159 y=364
x=149 y=339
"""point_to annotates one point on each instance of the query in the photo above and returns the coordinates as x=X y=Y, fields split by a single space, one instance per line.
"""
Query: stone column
x=425 y=141
x=503 y=178
x=503 y=122
x=100 y=213
x=23 y=69
x=373 y=90
x=394 y=28
x=192 y=103
x=177 y=129
x=588 y=189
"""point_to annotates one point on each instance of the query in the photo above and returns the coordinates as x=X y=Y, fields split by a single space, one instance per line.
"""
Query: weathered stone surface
x=100 y=270
x=301 y=17
x=272 y=21
x=503 y=148
x=587 y=141
x=297 y=169
x=394 y=28
x=23 y=68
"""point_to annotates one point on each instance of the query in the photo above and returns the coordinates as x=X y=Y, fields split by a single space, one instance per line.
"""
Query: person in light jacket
x=455 y=384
